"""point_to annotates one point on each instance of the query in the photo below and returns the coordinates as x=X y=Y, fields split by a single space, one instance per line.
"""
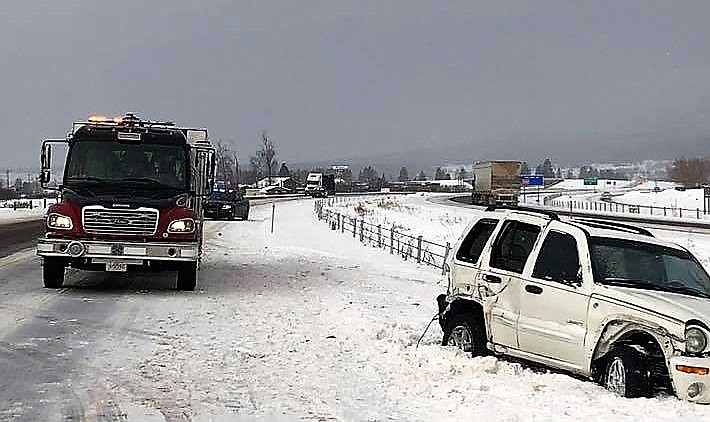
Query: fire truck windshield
x=158 y=165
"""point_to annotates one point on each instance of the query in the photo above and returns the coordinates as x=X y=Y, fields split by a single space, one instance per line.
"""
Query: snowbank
x=8 y=215
x=690 y=199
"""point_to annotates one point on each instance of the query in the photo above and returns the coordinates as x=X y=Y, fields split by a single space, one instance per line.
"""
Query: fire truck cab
x=132 y=192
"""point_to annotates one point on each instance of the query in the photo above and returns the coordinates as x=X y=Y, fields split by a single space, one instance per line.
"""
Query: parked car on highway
x=227 y=205
x=275 y=190
x=603 y=300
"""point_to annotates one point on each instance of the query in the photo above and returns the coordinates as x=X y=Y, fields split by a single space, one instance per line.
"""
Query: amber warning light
x=103 y=119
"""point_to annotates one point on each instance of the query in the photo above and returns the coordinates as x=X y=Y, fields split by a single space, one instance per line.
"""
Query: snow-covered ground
x=301 y=324
x=689 y=199
x=420 y=216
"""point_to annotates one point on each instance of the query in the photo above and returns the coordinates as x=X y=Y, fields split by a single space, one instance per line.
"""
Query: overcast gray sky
x=343 y=78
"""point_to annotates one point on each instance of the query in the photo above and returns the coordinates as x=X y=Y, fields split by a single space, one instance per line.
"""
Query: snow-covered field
x=420 y=216
x=690 y=199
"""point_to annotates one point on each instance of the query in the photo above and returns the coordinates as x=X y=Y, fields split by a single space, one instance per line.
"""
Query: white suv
x=603 y=300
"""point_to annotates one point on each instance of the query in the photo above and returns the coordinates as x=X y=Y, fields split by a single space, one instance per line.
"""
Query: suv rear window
x=558 y=259
x=513 y=246
x=472 y=246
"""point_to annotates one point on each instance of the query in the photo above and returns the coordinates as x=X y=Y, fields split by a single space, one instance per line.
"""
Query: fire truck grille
x=141 y=222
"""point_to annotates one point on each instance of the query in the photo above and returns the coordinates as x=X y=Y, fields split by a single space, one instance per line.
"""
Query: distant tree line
x=691 y=172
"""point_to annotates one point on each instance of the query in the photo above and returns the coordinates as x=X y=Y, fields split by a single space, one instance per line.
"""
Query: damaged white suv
x=603 y=300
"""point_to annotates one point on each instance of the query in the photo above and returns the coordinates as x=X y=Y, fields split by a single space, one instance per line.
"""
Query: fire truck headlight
x=184 y=225
x=59 y=222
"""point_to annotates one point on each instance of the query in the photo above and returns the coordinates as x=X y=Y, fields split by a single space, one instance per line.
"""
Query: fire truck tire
x=187 y=277
x=53 y=273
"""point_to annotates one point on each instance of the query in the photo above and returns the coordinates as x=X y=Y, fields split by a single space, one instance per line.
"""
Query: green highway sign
x=590 y=180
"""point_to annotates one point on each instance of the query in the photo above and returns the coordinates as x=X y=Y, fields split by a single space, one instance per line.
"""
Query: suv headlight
x=184 y=225
x=59 y=222
x=226 y=207
x=695 y=340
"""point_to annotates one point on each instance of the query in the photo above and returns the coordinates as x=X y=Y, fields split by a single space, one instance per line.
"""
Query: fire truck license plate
x=116 y=266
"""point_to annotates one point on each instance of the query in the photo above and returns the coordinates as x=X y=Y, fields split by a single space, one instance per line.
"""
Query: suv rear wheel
x=53 y=273
x=465 y=332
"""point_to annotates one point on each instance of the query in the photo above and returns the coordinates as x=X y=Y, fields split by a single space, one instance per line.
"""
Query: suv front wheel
x=626 y=373
x=466 y=333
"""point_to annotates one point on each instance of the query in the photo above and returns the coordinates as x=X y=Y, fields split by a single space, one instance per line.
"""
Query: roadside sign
x=532 y=180
x=590 y=180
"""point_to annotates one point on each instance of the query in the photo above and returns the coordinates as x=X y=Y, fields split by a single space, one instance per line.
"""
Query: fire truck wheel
x=53 y=273
x=187 y=276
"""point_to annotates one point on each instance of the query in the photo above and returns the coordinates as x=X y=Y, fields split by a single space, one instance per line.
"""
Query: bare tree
x=264 y=162
x=225 y=162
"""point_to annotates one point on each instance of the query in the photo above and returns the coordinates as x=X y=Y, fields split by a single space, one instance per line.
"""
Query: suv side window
x=472 y=246
x=558 y=259
x=513 y=246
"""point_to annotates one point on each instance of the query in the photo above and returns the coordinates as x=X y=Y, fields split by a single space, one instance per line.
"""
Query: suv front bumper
x=691 y=386
x=118 y=250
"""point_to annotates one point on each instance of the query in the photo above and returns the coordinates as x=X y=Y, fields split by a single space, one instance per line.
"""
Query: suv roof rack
x=551 y=214
x=612 y=225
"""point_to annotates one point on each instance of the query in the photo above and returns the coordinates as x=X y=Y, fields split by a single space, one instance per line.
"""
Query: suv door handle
x=492 y=278
x=531 y=288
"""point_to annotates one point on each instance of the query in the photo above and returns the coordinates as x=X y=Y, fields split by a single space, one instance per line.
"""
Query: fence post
x=419 y=249
x=354 y=222
x=446 y=256
x=392 y=240
x=664 y=211
x=651 y=209
x=698 y=211
x=681 y=212
x=362 y=230
x=379 y=235
x=45 y=203
x=342 y=223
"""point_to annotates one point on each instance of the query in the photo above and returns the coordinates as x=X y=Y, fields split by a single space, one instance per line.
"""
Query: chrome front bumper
x=117 y=250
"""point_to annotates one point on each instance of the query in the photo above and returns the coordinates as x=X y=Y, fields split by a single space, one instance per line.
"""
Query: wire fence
x=388 y=238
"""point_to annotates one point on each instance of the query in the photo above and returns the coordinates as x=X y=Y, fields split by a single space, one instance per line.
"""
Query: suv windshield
x=647 y=266
x=104 y=161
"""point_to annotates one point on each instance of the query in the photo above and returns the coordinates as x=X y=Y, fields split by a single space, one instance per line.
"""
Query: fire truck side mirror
x=45 y=177
x=46 y=156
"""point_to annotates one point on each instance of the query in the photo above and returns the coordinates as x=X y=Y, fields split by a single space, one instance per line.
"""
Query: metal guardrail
x=618 y=207
x=386 y=238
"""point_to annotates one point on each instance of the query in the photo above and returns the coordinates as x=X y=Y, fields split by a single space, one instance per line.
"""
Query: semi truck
x=132 y=195
x=496 y=182
x=319 y=185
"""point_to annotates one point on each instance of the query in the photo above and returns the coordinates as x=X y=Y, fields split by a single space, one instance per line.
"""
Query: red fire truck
x=131 y=199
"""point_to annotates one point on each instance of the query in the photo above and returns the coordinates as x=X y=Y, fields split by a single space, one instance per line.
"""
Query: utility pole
x=236 y=169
